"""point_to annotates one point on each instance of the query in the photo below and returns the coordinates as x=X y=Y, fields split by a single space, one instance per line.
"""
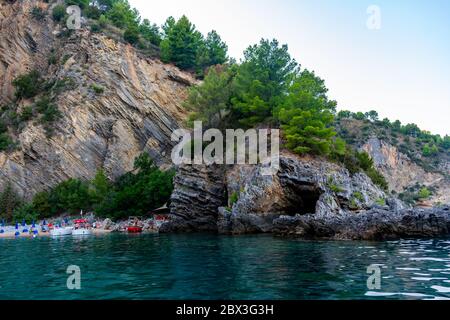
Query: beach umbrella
x=17 y=226
x=44 y=222
x=23 y=223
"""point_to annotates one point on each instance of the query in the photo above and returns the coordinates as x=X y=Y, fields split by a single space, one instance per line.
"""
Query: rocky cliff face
x=303 y=185
x=309 y=198
x=401 y=172
x=138 y=110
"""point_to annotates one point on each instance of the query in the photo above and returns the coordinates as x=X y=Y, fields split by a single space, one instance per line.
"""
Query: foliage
x=27 y=114
x=262 y=81
x=5 y=142
x=137 y=193
x=424 y=194
x=98 y=89
x=234 y=198
x=131 y=35
x=27 y=85
x=37 y=13
x=122 y=16
x=83 y=4
x=429 y=151
x=212 y=51
x=306 y=116
x=334 y=187
x=9 y=201
x=181 y=43
x=150 y=32
x=358 y=196
x=59 y=12
x=210 y=101
x=49 y=113
x=70 y=196
x=25 y=213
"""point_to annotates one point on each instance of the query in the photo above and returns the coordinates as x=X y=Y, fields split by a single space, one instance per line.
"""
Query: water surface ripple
x=222 y=267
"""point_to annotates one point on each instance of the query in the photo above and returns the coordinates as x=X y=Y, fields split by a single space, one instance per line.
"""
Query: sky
x=394 y=59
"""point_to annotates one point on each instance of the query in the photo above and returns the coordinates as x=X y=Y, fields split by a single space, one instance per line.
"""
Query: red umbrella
x=80 y=221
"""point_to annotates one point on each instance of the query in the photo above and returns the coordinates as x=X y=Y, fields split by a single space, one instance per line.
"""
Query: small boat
x=134 y=225
x=81 y=228
x=134 y=229
x=61 y=231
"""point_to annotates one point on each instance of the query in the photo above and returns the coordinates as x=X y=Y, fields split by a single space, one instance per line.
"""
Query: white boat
x=59 y=232
x=81 y=232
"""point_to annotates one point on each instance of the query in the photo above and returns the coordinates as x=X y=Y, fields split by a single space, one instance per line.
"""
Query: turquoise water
x=221 y=267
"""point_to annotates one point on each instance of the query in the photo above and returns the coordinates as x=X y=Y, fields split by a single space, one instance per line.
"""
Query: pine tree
x=9 y=201
x=262 y=81
x=181 y=43
x=306 y=116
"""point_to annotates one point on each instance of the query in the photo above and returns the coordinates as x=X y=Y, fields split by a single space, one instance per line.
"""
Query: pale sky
x=402 y=70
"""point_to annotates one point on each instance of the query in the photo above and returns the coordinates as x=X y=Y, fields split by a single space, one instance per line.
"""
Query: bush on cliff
x=27 y=85
x=59 y=12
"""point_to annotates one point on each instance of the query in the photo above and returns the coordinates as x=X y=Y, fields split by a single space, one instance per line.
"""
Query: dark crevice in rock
x=302 y=198
x=31 y=43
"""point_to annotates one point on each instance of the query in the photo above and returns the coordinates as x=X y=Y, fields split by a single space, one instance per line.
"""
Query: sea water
x=204 y=266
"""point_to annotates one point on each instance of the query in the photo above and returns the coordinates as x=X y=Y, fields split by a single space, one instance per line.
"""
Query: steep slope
x=136 y=108
x=399 y=157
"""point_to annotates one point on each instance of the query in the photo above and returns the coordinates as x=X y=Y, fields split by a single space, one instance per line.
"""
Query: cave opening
x=301 y=198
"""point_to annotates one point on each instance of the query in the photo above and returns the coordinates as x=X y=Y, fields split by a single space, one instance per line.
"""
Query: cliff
x=239 y=199
x=402 y=173
x=399 y=153
x=136 y=110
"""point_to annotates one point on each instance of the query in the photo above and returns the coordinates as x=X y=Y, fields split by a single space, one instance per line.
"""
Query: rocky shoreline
x=374 y=224
x=309 y=198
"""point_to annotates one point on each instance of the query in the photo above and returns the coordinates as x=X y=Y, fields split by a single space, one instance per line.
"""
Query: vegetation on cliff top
x=269 y=89
x=427 y=150
x=177 y=41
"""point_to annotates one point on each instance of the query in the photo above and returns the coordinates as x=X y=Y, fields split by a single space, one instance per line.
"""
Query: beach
x=11 y=234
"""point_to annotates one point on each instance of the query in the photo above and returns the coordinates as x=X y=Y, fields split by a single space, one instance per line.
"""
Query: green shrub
x=333 y=186
x=234 y=198
x=95 y=28
x=358 y=196
x=37 y=13
x=97 y=88
x=52 y=59
x=26 y=213
x=377 y=178
x=65 y=58
x=27 y=114
x=92 y=12
x=27 y=85
x=59 y=12
x=424 y=194
x=10 y=200
x=131 y=35
x=5 y=142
